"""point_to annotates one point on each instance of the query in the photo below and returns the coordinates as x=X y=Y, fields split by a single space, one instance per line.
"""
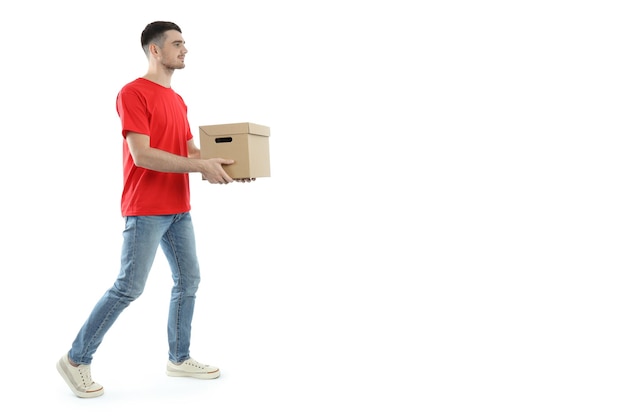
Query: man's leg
x=141 y=240
x=179 y=247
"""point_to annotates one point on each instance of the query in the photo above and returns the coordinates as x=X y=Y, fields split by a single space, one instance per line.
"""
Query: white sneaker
x=78 y=378
x=193 y=369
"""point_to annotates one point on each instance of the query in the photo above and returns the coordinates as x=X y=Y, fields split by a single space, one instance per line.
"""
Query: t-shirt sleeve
x=131 y=107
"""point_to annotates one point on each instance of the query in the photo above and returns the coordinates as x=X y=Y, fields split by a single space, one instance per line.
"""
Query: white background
x=443 y=233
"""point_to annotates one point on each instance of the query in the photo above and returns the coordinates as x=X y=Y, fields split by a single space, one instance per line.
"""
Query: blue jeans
x=142 y=237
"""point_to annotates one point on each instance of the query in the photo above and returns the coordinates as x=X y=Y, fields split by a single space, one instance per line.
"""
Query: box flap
x=235 y=128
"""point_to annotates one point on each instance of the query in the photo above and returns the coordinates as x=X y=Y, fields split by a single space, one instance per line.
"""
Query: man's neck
x=160 y=77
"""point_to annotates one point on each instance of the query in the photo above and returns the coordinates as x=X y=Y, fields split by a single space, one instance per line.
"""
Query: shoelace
x=85 y=374
x=193 y=362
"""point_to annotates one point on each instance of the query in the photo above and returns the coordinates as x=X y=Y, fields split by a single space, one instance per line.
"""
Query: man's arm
x=192 y=150
x=158 y=160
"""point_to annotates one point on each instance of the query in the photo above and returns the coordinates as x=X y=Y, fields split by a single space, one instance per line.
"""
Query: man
x=159 y=153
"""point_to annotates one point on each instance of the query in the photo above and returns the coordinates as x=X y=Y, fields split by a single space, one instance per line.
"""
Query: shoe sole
x=211 y=375
x=80 y=394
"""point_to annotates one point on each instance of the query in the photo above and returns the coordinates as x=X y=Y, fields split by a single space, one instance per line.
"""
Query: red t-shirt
x=151 y=109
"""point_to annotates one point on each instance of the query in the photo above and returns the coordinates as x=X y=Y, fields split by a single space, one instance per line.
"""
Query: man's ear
x=154 y=49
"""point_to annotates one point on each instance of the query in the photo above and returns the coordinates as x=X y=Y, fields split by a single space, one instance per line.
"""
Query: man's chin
x=175 y=67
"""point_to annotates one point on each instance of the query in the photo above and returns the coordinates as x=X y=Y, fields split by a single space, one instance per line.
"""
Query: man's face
x=173 y=51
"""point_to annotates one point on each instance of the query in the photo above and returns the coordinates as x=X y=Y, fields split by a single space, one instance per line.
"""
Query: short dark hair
x=155 y=33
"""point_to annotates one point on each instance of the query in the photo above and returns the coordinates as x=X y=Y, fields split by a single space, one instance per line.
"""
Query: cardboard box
x=246 y=143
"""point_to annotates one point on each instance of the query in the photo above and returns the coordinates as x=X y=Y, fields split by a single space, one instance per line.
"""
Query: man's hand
x=245 y=179
x=214 y=172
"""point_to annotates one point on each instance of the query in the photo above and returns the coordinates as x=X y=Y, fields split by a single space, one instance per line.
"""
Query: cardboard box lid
x=235 y=128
